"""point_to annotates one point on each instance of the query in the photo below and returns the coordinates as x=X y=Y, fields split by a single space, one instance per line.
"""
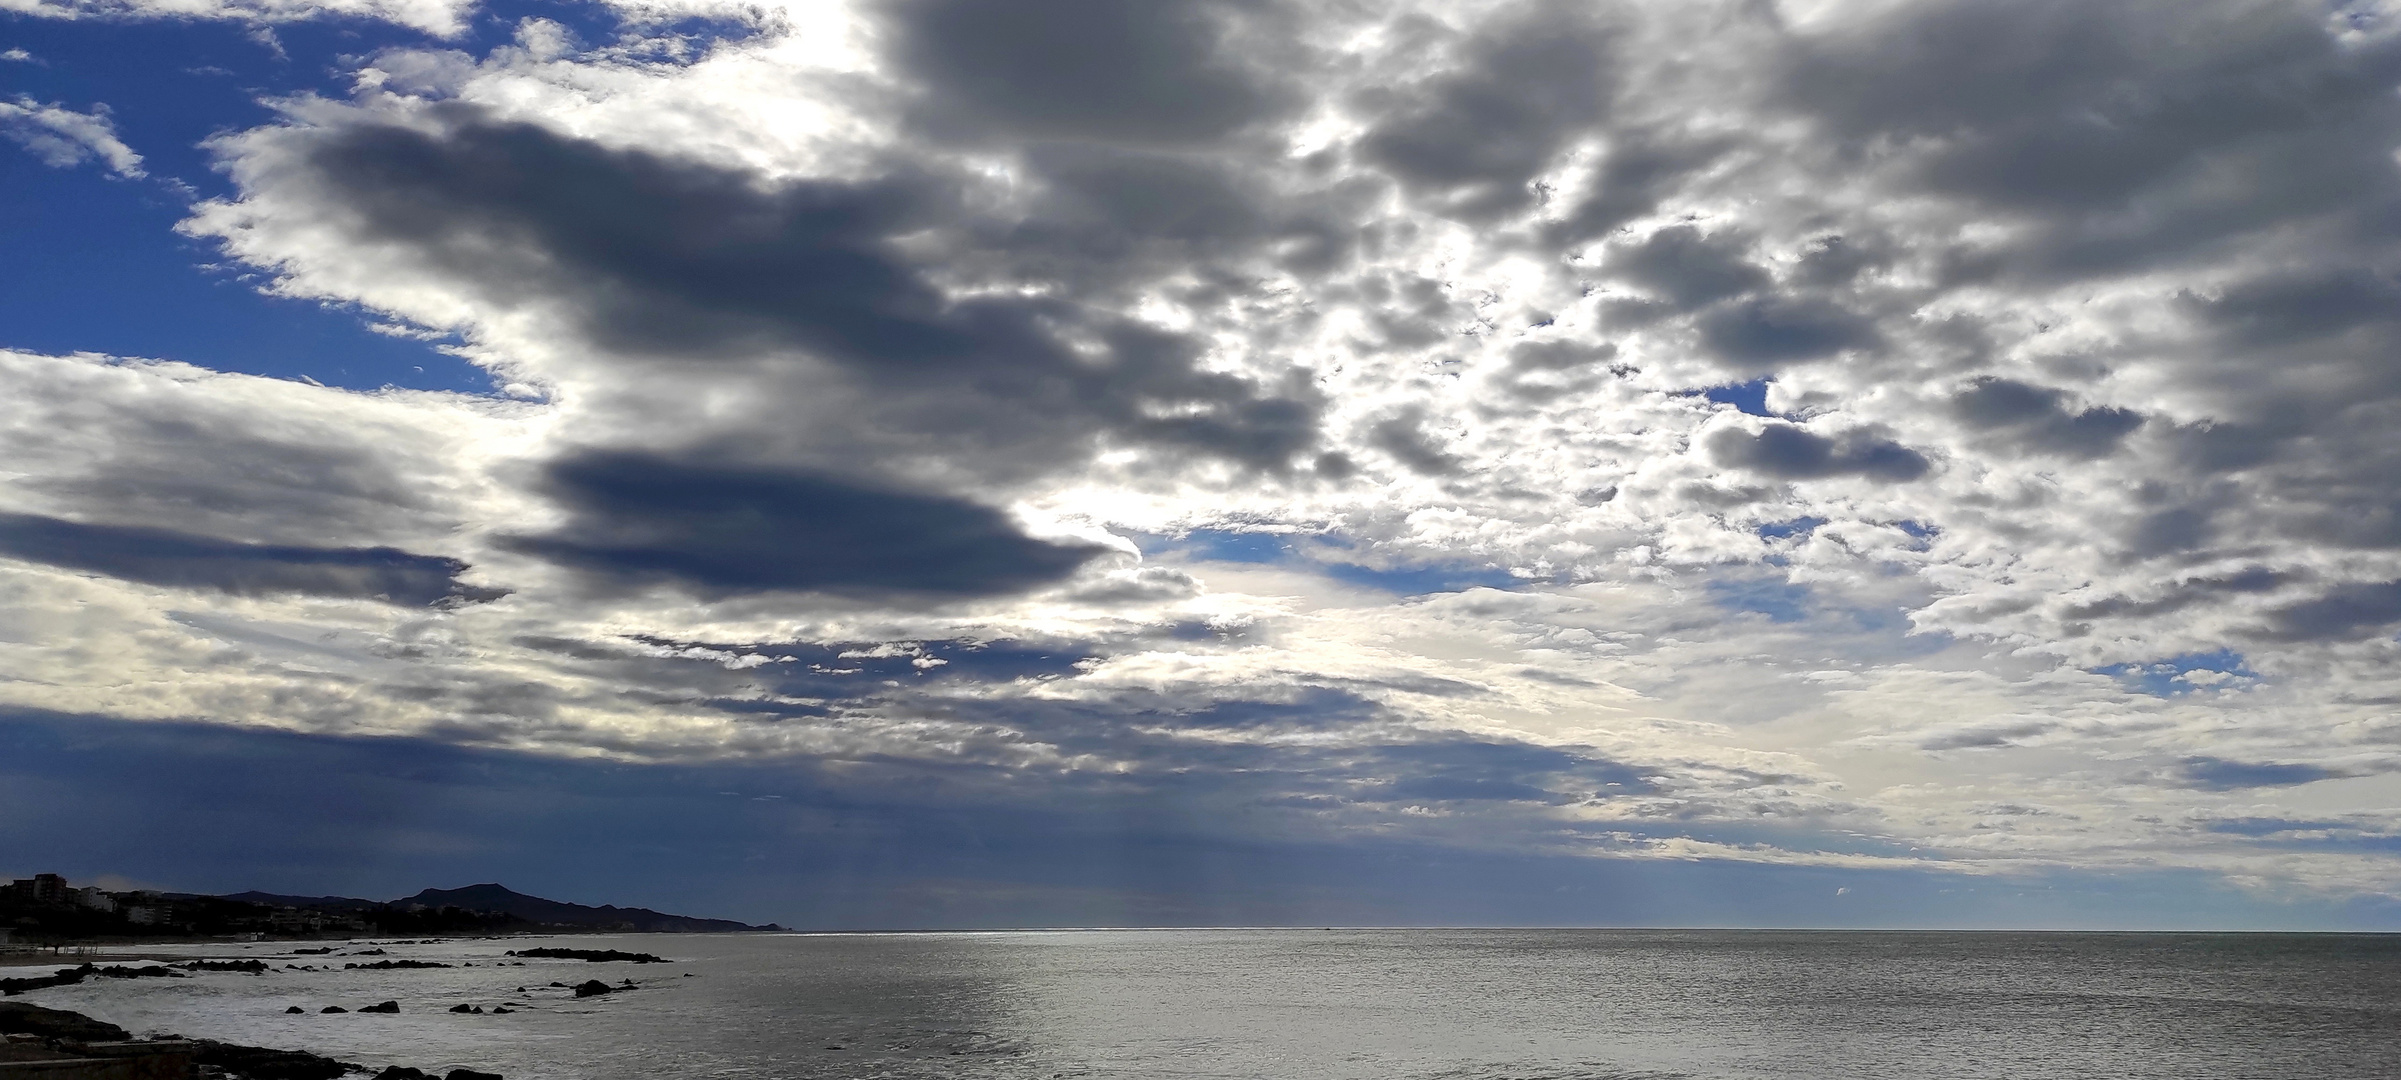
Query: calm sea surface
x=1480 y=1004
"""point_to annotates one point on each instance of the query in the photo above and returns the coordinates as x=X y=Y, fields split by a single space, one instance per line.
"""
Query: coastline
x=453 y=1008
x=60 y=1044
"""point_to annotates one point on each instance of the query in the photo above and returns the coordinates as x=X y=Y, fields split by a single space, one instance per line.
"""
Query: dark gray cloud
x=210 y=809
x=2288 y=308
x=2344 y=612
x=1133 y=71
x=2220 y=774
x=1640 y=170
x=184 y=560
x=729 y=529
x=1789 y=452
x=684 y=262
x=2038 y=418
x=1688 y=268
x=1757 y=334
x=1472 y=139
x=2183 y=594
x=1406 y=439
x=2216 y=117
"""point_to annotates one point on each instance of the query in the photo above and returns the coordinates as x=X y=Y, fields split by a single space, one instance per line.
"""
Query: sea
x=1321 y=1005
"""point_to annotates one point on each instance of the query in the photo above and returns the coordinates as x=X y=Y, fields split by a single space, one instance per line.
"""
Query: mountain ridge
x=493 y=898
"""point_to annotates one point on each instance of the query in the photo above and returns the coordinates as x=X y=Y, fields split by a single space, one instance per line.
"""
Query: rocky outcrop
x=17 y=1018
x=260 y=1063
x=594 y=988
x=594 y=956
x=252 y=967
x=73 y=975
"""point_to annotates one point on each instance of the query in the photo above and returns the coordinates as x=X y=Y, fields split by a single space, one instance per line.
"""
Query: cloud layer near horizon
x=1941 y=436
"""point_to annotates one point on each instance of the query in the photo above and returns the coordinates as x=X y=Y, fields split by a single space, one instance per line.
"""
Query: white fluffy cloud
x=64 y=138
x=855 y=360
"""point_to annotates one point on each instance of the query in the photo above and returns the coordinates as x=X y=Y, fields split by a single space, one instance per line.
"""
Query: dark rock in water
x=20 y=1019
x=154 y=971
x=403 y=1072
x=593 y=956
x=458 y=1008
x=64 y=977
x=501 y=1010
x=366 y=952
x=214 y=1058
x=594 y=988
x=522 y=989
x=558 y=984
x=260 y=1063
x=391 y=965
x=254 y=967
x=470 y=1074
x=333 y=1009
x=295 y=1009
x=381 y=1007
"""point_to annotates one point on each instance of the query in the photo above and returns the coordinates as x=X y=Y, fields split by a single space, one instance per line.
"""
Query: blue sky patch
x=1780 y=601
x=2162 y=678
x=1407 y=579
x=1750 y=397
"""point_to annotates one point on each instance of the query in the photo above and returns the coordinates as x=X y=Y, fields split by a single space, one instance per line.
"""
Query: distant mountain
x=500 y=900
x=90 y=915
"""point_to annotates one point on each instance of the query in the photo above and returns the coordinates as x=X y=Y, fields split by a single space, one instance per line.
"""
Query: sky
x=948 y=463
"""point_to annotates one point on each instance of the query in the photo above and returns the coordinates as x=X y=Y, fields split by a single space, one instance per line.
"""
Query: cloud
x=1791 y=452
x=166 y=557
x=2339 y=613
x=722 y=528
x=2220 y=774
x=2038 y=418
x=441 y=18
x=655 y=259
x=1510 y=97
x=1113 y=70
x=1545 y=434
x=64 y=139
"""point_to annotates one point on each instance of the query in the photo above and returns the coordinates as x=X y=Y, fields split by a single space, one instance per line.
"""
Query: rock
x=470 y=1074
x=254 y=967
x=594 y=988
x=501 y=1010
x=403 y=1072
x=558 y=984
x=520 y=989
x=20 y=1019
x=594 y=956
x=260 y=1063
x=64 y=977
x=295 y=1009
x=381 y=1007
x=333 y=1009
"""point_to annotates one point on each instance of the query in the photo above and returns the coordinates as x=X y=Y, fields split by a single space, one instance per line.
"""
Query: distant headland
x=45 y=909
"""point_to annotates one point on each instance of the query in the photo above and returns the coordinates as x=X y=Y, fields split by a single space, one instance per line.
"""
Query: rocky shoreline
x=55 y=1044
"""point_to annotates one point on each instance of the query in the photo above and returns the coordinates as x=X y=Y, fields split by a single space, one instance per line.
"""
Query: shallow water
x=1337 y=1004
